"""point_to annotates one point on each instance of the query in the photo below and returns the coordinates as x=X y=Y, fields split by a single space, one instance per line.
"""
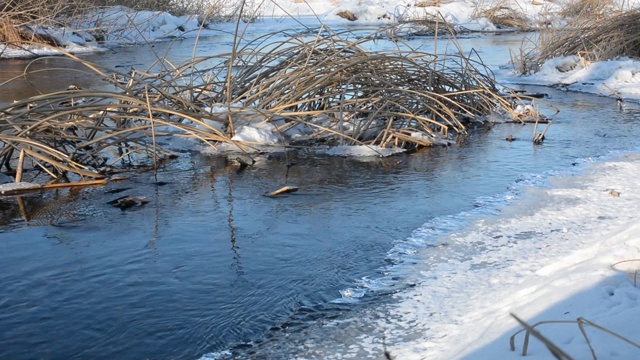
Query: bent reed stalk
x=319 y=80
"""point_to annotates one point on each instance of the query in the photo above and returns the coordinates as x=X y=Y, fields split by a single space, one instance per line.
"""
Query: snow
x=551 y=257
x=577 y=230
x=619 y=77
x=262 y=133
x=359 y=151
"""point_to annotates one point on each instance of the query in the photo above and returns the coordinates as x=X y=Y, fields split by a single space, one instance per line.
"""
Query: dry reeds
x=504 y=16
x=19 y=18
x=90 y=133
x=582 y=9
x=595 y=39
x=9 y=34
x=310 y=88
x=375 y=95
x=30 y=12
x=428 y=3
x=557 y=352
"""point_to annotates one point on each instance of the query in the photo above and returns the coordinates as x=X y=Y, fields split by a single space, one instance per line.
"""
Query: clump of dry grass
x=599 y=40
x=504 y=16
x=8 y=32
x=581 y=9
x=330 y=86
x=29 y=12
x=428 y=3
x=17 y=18
x=385 y=95
x=90 y=133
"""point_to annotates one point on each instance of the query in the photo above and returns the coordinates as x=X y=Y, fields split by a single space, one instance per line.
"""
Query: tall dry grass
x=388 y=94
x=319 y=80
x=504 y=15
x=595 y=39
x=575 y=10
x=18 y=18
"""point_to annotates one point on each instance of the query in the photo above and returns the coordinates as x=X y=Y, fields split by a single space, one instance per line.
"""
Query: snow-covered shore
x=560 y=253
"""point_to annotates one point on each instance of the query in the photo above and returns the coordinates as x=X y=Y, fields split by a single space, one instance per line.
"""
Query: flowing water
x=210 y=267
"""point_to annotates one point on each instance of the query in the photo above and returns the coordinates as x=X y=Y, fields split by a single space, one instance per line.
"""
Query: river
x=210 y=267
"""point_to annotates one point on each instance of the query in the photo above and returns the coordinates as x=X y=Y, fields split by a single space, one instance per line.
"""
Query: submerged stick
x=35 y=187
x=281 y=191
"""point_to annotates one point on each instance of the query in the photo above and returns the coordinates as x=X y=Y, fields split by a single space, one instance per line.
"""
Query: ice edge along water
x=542 y=250
x=547 y=255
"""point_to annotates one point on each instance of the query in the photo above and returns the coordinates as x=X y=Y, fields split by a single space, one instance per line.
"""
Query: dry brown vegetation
x=428 y=3
x=594 y=31
x=18 y=17
x=8 y=32
x=503 y=16
x=580 y=9
x=29 y=12
x=330 y=86
x=595 y=39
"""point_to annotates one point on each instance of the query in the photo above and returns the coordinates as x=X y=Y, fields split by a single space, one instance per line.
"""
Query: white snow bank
x=549 y=256
x=262 y=133
x=620 y=77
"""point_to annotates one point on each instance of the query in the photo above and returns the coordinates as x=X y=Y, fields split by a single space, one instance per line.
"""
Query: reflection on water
x=40 y=76
x=208 y=262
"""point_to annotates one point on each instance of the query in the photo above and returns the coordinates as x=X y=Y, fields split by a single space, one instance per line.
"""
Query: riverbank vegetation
x=303 y=89
x=312 y=88
x=593 y=31
x=25 y=22
x=595 y=38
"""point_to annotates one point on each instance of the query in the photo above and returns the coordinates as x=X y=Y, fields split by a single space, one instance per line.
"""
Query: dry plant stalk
x=636 y=262
x=555 y=350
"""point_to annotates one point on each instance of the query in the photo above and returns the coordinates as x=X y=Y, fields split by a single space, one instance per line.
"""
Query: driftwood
x=283 y=190
x=36 y=187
